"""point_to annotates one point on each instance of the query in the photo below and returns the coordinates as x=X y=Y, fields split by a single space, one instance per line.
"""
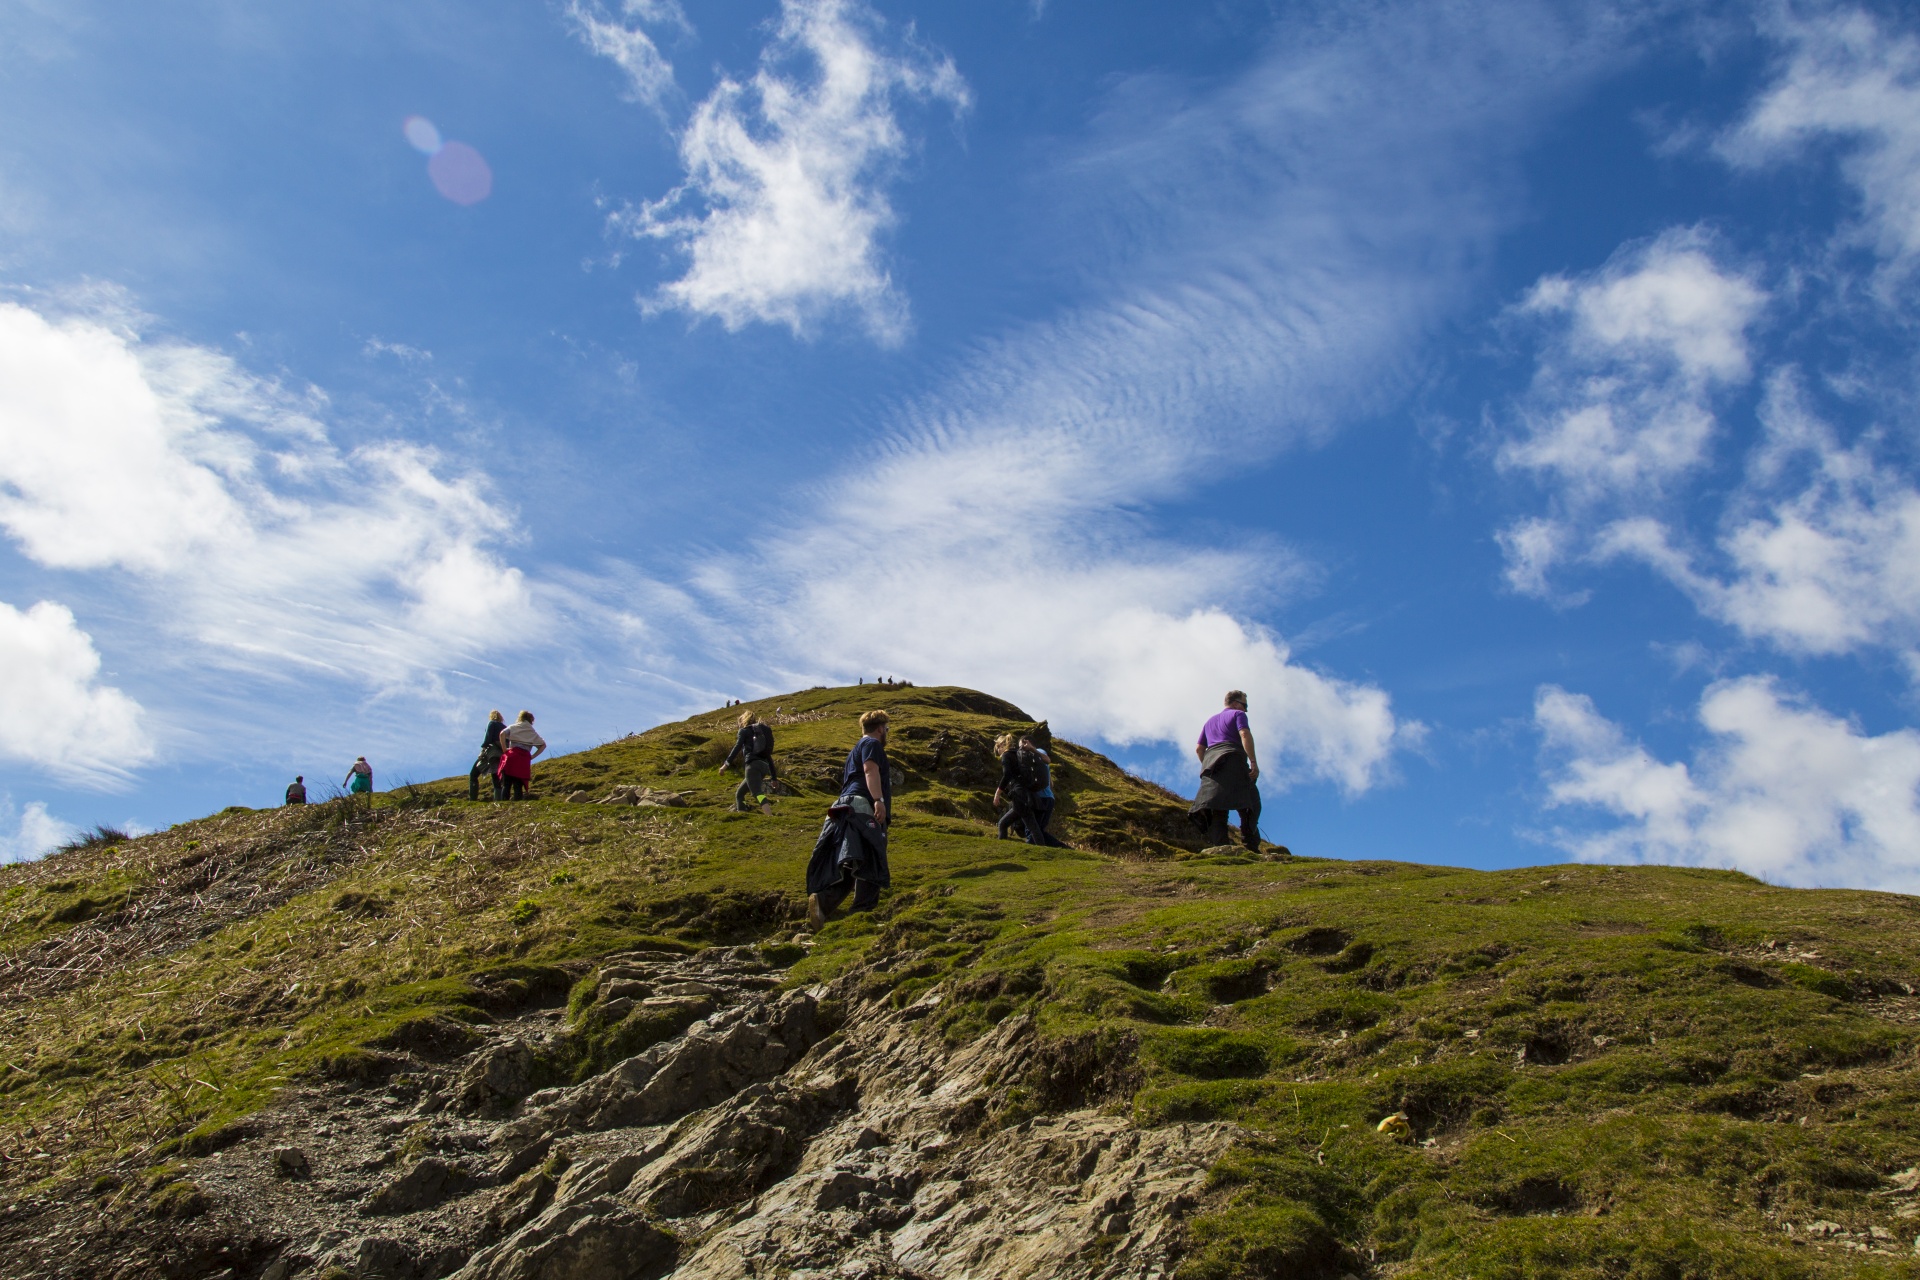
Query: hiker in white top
x=520 y=744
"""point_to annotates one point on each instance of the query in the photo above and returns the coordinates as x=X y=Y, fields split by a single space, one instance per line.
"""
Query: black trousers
x=473 y=778
x=1020 y=810
x=866 y=895
x=1249 y=828
x=510 y=789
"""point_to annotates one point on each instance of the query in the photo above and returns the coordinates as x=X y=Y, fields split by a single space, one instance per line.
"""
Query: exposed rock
x=498 y=1077
x=291 y=1162
x=646 y=796
x=598 y=1239
x=426 y=1184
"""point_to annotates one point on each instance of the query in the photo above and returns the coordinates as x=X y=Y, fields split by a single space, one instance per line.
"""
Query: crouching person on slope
x=1229 y=775
x=519 y=746
x=851 y=854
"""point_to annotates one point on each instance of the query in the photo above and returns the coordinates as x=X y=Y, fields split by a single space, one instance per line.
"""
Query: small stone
x=868 y=1139
x=292 y=1162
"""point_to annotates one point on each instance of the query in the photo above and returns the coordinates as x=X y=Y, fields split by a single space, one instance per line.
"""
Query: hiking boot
x=816 y=916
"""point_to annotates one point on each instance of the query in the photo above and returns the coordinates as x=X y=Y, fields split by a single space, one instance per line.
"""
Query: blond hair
x=526 y=717
x=746 y=718
x=1003 y=744
x=873 y=720
x=495 y=715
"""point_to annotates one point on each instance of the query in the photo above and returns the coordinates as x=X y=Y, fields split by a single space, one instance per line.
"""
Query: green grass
x=1643 y=1072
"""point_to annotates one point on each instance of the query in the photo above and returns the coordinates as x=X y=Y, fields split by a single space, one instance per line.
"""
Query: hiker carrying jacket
x=1039 y=767
x=359 y=779
x=850 y=854
x=489 y=758
x=519 y=744
x=1229 y=774
x=297 y=790
x=754 y=747
x=1019 y=781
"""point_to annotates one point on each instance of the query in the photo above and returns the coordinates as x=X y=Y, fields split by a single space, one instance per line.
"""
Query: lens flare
x=422 y=134
x=460 y=173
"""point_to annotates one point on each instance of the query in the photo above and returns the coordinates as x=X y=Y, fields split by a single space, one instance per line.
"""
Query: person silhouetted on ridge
x=1229 y=775
x=753 y=745
x=519 y=745
x=359 y=781
x=850 y=854
x=489 y=758
x=297 y=790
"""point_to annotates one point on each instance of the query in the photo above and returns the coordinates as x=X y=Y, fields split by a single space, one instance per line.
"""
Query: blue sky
x=1517 y=398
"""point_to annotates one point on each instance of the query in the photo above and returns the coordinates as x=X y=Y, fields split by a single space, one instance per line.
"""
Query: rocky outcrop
x=784 y=1132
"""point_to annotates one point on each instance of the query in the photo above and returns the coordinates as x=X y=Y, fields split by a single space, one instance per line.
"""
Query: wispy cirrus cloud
x=785 y=206
x=624 y=41
x=1782 y=789
x=217 y=497
x=1291 y=236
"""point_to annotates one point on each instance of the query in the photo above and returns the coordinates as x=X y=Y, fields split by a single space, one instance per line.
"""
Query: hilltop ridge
x=419 y=1036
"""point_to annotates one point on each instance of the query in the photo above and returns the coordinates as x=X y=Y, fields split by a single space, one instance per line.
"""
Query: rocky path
x=793 y=1133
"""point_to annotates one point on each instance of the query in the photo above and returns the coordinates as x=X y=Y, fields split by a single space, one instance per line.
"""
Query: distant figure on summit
x=297 y=790
x=488 y=761
x=850 y=854
x=359 y=779
x=1229 y=775
x=519 y=747
x=753 y=745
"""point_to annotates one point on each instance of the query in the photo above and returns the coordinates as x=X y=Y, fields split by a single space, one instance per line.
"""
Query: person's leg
x=1216 y=827
x=866 y=895
x=758 y=774
x=1007 y=819
x=473 y=781
x=1030 y=822
x=1250 y=828
x=740 y=797
x=1043 y=810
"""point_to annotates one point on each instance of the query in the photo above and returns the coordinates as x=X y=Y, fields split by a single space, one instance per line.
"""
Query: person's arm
x=539 y=745
x=739 y=749
x=1253 y=761
x=877 y=789
x=1200 y=748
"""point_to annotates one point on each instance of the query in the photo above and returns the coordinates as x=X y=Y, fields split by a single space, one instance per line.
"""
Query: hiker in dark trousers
x=1016 y=789
x=489 y=758
x=850 y=855
x=297 y=790
x=1229 y=774
x=519 y=745
x=1039 y=767
x=753 y=746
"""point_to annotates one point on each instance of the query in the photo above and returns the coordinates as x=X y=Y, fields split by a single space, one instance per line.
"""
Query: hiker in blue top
x=360 y=777
x=850 y=854
x=1229 y=775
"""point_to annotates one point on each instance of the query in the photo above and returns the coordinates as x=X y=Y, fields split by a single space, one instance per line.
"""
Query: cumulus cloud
x=220 y=498
x=1622 y=407
x=1820 y=548
x=1846 y=77
x=35 y=832
x=625 y=43
x=61 y=718
x=1621 y=400
x=785 y=204
x=1783 y=790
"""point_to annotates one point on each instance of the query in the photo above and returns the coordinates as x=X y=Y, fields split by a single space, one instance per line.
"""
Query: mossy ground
x=1606 y=1072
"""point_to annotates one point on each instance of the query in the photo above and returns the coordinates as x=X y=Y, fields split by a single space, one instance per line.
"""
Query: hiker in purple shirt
x=1229 y=772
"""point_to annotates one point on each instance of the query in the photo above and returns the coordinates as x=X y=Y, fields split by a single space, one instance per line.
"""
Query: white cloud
x=1784 y=790
x=1621 y=404
x=35 y=833
x=785 y=202
x=220 y=497
x=1821 y=546
x=1292 y=235
x=1845 y=76
x=59 y=717
x=629 y=47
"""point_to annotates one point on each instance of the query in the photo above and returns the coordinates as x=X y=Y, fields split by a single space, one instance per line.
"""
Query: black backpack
x=1033 y=771
x=759 y=741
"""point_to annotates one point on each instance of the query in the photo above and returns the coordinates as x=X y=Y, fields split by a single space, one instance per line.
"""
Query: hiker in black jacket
x=1017 y=789
x=488 y=760
x=753 y=747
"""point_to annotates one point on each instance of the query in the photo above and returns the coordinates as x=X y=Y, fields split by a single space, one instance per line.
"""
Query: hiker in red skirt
x=519 y=745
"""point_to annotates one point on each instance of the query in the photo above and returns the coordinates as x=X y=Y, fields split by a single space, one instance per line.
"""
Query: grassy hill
x=1603 y=1072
